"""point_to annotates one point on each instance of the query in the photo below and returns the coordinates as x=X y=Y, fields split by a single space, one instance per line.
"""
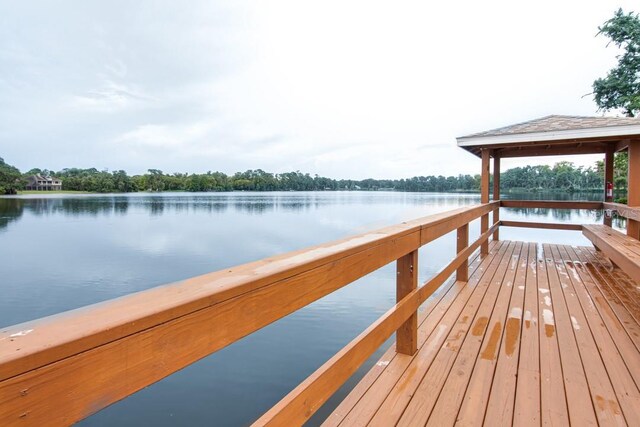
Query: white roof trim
x=606 y=131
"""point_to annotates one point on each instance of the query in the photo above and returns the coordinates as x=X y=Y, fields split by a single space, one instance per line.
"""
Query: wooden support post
x=633 y=186
x=484 y=197
x=496 y=194
x=406 y=282
x=608 y=178
x=462 y=274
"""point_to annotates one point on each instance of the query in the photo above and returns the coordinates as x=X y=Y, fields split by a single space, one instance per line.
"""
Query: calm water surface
x=60 y=252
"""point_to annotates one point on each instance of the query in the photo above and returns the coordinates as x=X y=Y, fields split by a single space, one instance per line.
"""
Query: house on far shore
x=43 y=183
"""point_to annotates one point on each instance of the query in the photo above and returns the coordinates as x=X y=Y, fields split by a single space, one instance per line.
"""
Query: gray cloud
x=345 y=89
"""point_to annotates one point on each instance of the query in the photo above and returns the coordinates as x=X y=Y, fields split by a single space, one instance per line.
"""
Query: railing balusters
x=406 y=282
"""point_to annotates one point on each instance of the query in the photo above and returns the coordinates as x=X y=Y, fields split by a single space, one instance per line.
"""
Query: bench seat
x=622 y=250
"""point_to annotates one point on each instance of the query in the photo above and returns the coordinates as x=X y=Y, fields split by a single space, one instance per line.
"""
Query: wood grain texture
x=484 y=195
x=496 y=193
x=550 y=204
x=565 y=349
x=57 y=337
x=608 y=178
x=76 y=363
x=545 y=225
x=363 y=404
x=302 y=402
x=623 y=250
x=624 y=210
x=407 y=282
x=633 y=187
x=462 y=241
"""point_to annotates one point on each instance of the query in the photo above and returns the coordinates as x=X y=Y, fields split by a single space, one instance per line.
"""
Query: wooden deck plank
x=581 y=411
x=501 y=400
x=397 y=400
x=571 y=356
x=617 y=301
x=621 y=249
x=478 y=351
x=478 y=308
x=613 y=352
x=386 y=372
x=626 y=288
x=527 y=404
x=476 y=394
x=603 y=395
x=600 y=291
x=553 y=401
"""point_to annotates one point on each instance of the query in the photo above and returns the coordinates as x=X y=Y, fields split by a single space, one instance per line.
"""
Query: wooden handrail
x=544 y=225
x=63 y=368
x=624 y=210
x=299 y=405
x=550 y=204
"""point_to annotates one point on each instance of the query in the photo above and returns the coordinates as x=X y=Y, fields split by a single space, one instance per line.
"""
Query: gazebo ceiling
x=555 y=135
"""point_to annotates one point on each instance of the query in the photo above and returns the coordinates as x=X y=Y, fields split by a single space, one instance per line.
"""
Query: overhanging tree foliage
x=620 y=89
x=10 y=176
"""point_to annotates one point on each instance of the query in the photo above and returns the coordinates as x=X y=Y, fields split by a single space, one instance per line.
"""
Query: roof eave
x=548 y=136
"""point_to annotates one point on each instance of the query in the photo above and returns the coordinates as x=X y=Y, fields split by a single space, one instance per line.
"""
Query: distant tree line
x=563 y=176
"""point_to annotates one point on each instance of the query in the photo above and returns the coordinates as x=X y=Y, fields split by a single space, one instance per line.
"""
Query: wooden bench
x=622 y=250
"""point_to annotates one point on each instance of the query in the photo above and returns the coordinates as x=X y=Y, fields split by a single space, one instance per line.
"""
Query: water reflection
x=10 y=210
x=158 y=204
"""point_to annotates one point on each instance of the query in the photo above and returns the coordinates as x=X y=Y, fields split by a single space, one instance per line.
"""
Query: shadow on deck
x=541 y=333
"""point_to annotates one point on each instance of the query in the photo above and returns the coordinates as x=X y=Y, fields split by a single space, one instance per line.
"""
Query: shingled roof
x=553 y=135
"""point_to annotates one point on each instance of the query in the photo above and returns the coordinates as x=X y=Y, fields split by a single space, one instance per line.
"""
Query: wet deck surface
x=541 y=334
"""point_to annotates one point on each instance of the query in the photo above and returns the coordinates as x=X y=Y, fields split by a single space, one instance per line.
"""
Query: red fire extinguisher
x=609 y=190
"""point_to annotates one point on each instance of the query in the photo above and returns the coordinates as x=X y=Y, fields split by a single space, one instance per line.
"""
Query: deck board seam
x=490 y=259
x=517 y=246
x=596 y=287
x=590 y=327
x=607 y=279
x=562 y=302
x=607 y=336
x=492 y=283
x=478 y=263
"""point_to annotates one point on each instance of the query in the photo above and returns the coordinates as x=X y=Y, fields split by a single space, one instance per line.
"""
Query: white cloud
x=345 y=89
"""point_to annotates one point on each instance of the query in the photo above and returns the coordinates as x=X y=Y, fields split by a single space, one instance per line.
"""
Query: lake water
x=60 y=252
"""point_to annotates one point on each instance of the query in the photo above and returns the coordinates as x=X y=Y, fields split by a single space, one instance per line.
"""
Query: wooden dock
x=540 y=334
x=507 y=333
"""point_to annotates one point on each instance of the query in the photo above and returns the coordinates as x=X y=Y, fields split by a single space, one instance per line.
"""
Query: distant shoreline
x=518 y=190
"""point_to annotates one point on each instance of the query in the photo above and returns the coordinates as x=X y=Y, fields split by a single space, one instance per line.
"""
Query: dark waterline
x=60 y=252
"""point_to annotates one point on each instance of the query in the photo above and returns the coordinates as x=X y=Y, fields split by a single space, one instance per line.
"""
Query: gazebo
x=557 y=135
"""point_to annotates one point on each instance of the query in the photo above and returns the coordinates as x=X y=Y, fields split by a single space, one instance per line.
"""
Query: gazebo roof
x=555 y=135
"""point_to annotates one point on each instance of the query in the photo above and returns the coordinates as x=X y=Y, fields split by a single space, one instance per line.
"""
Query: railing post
x=496 y=194
x=484 y=197
x=406 y=282
x=633 y=187
x=608 y=179
x=462 y=274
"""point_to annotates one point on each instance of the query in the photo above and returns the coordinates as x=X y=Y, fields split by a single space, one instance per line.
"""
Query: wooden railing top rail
x=624 y=210
x=551 y=204
x=86 y=359
x=543 y=225
x=302 y=402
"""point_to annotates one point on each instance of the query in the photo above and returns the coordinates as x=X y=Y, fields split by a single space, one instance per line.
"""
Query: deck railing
x=630 y=213
x=63 y=368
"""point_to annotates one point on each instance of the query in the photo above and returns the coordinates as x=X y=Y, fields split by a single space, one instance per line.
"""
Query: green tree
x=10 y=181
x=621 y=87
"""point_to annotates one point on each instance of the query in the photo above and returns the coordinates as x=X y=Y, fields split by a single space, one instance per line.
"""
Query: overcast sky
x=339 y=88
